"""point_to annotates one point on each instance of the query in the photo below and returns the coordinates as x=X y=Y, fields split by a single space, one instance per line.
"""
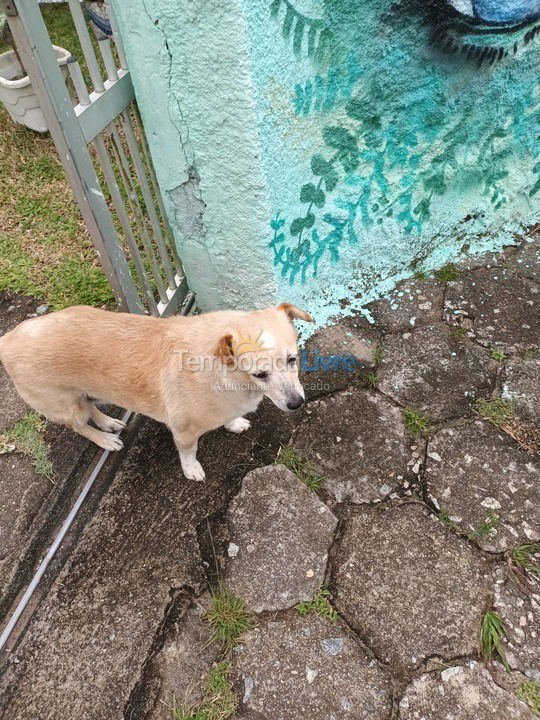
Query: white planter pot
x=18 y=95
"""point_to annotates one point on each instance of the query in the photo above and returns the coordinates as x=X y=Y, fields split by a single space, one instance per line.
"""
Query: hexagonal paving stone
x=434 y=370
x=476 y=470
x=352 y=336
x=359 y=444
x=503 y=309
x=517 y=600
x=460 y=693
x=527 y=260
x=521 y=383
x=411 y=304
x=409 y=586
x=280 y=534
x=305 y=667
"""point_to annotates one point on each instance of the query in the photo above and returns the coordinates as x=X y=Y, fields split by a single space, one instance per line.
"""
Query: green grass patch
x=525 y=557
x=497 y=411
x=447 y=273
x=460 y=332
x=445 y=518
x=228 y=618
x=486 y=527
x=492 y=634
x=292 y=459
x=497 y=355
x=320 y=605
x=45 y=249
x=416 y=421
x=379 y=352
x=531 y=353
x=371 y=379
x=27 y=436
x=218 y=703
x=489 y=524
x=529 y=692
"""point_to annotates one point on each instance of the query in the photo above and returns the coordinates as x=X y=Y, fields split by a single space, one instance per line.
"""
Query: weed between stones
x=529 y=692
x=320 y=605
x=292 y=459
x=218 y=703
x=27 y=437
x=229 y=620
x=416 y=421
x=491 y=636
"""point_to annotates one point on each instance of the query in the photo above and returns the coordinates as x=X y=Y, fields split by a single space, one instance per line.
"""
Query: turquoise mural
x=394 y=133
x=319 y=151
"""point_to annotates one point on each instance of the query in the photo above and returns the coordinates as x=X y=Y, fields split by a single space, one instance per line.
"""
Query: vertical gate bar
x=34 y=46
x=116 y=36
x=157 y=193
x=108 y=59
x=147 y=195
x=77 y=79
x=86 y=45
x=124 y=220
x=121 y=161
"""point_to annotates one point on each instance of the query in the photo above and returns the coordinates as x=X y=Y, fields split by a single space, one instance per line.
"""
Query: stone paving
x=413 y=537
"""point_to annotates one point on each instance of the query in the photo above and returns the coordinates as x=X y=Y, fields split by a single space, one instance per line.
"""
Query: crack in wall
x=184 y=141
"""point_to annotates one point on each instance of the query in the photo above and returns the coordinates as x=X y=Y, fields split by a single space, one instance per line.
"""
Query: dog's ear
x=294 y=313
x=224 y=350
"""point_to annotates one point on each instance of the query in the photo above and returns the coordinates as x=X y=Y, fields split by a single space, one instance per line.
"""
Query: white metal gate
x=96 y=127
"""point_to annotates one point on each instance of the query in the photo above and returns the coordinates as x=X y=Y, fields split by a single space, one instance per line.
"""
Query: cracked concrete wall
x=319 y=151
x=190 y=68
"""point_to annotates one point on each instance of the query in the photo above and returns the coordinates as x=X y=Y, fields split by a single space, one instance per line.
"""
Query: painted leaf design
x=307 y=193
x=320 y=166
x=297 y=226
x=298 y=35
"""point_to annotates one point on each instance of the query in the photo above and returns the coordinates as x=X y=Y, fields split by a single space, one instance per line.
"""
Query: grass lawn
x=45 y=250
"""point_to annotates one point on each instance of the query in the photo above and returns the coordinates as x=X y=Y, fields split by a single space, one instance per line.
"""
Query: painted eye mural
x=486 y=30
x=498 y=11
x=410 y=123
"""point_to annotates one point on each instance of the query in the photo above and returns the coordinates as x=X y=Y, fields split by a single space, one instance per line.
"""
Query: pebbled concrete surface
x=517 y=600
x=410 y=588
x=521 y=383
x=280 y=534
x=294 y=668
x=357 y=441
x=411 y=304
x=475 y=469
x=501 y=309
x=460 y=693
x=434 y=370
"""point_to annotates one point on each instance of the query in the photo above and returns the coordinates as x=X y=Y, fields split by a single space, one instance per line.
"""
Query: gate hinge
x=8 y=7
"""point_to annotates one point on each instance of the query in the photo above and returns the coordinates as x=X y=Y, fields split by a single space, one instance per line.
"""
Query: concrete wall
x=319 y=150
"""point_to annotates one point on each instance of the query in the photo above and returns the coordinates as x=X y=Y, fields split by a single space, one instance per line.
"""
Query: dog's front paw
x=108 y=441
x=194 y=471
x=115 y=425
x=238 y=425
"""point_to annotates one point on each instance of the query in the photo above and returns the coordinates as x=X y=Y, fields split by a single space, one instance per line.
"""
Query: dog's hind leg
x=104 y=422
x=73 y=410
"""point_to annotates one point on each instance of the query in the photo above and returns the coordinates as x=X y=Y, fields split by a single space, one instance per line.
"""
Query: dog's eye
x=291 y=361
x=262 y=375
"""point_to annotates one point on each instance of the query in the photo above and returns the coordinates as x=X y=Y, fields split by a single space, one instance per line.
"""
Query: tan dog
x=194 y=374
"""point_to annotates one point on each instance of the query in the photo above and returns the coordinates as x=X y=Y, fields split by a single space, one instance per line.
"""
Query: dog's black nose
x=295 y=402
